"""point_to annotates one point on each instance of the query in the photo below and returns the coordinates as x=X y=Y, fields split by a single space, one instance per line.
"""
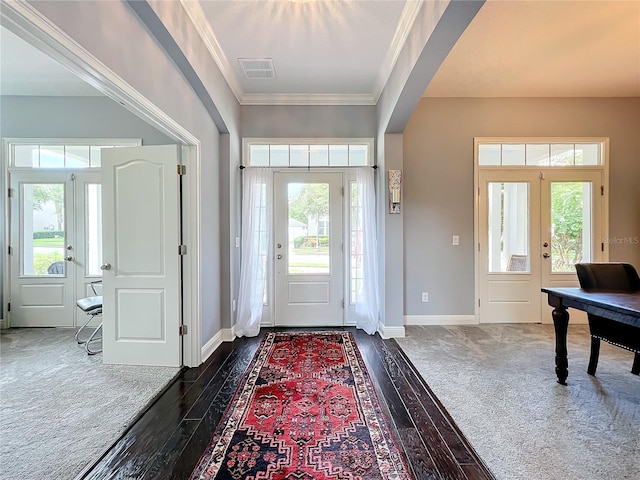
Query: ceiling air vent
x=260 y=68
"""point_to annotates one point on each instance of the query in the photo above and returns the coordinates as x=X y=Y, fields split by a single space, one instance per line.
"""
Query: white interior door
x=141 y=276
x=308 y=249
x=533 y=227
x=42 y=257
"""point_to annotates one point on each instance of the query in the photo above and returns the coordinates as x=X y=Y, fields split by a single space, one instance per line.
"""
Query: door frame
x=27 y=22
x=348 y=316
x=342 y=278
x=603 y=169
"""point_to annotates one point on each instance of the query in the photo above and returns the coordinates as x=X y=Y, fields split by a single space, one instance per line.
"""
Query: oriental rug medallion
x=305 y=409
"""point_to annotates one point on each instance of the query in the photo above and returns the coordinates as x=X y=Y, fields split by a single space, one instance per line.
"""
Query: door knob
x=279 y=245
x=546 y=255
x=279 y=257
x=69 y=247
x=69 y=259
x=106 y=266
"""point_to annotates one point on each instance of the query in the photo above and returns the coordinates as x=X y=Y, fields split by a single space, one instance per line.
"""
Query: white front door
x=533 y=227
x=42 y=256
x=571 y=230
x=308 y=251
x=509 y=236
x=141 y=270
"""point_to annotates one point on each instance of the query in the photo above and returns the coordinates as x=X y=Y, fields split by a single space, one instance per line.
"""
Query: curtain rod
x=375 y=167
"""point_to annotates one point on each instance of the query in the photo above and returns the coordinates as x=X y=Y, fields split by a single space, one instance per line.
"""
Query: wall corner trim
x=440 y=320
x=391 y=332
x=224 y=335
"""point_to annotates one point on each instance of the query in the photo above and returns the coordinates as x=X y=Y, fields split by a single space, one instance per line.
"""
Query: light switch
x=456 y=240
x=237 y=242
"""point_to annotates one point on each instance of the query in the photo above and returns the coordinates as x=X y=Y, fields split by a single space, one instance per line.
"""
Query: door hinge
x=9 y=307
x=10 y=250
x=602 y=247
x=183 y=330
x=478 y=303
x=182 y=249
x=478 y=246
x=602 y=190
x=10 y=192
x=343 y=303
x=478 y=191
x=342 y=191
x=182 y=169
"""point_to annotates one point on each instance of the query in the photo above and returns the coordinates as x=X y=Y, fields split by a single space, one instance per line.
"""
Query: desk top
x=616 y=305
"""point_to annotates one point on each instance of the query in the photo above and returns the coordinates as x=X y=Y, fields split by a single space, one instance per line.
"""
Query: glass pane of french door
x=42 y=229
x=309 y=233
x=93 y=226
x=508 y=232
x=571 y=225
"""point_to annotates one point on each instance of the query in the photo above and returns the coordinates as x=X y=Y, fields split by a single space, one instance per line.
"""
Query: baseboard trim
x=391 y=332
x=440 y=320
x=229 y=334
x=3 y=324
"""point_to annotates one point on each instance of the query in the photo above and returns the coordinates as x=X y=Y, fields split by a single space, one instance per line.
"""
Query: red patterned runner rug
x=307 y=410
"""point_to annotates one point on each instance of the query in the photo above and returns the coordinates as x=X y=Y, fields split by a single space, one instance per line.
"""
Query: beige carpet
x=498 y=383
x=59 y=408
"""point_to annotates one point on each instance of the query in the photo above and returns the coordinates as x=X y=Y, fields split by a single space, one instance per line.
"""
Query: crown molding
x=405 y=24
x=307 y=99
x=202 y=26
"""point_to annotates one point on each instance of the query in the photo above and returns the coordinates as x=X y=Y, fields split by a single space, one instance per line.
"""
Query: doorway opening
x=54 y=227
x=541 y=208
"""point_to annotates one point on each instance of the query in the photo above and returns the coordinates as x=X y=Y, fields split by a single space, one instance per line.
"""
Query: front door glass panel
x=571 y=225
x=508 y=241
x=308 y=233
x=43 y=224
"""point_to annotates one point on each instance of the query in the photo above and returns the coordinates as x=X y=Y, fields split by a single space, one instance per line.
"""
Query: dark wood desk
x=621 y=307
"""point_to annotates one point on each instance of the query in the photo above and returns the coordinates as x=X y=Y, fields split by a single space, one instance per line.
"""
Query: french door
x=533 y=227
x=308 y=249
x=55 y=238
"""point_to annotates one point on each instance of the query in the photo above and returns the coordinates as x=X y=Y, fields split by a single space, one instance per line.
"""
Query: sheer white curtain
x=367 y=296
x=256 y=239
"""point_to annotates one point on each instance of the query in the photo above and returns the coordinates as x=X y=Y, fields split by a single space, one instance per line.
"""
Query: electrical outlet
x=425 y=297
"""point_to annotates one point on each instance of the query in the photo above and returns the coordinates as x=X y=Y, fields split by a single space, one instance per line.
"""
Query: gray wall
x=68 y=117
x=438 y=182
x=307 y=121
x=73 y=117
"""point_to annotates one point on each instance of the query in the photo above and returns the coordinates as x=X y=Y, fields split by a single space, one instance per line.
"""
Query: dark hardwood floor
x=168 y=438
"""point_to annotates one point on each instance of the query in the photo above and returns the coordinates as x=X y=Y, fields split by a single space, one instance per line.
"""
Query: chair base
x=92 y=337
x=595 y=354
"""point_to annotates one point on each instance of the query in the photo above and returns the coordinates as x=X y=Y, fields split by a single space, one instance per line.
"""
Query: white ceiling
x=343 y=51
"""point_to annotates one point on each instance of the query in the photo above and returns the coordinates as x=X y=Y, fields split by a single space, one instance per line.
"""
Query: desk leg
x=560 y=323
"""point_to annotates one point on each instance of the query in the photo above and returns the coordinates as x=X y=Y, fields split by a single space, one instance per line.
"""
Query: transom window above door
x=307 y=153
x=540 y=153
x=61 y=153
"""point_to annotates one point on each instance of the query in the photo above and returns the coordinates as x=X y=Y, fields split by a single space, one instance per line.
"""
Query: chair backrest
x=56 y=268
x=608 y=276
x=517 y=263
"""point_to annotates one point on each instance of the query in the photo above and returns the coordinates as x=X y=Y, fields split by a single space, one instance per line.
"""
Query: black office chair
x=620 y=277
x=92 y=306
